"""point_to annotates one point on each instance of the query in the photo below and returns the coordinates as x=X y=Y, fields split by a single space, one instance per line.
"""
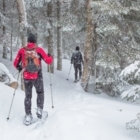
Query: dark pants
x=38 y=84
x=78 y=68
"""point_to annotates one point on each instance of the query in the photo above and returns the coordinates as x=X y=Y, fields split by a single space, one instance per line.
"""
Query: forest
x=107 y=32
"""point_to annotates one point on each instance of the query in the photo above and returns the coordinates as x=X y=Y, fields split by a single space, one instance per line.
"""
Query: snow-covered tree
x=134 y=124
x=131 y=74
x=115 y=36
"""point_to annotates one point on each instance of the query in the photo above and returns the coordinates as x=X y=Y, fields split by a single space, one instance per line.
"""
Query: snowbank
x=76 y=115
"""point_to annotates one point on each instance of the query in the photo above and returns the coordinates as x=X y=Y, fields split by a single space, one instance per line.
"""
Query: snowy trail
x=76 y=115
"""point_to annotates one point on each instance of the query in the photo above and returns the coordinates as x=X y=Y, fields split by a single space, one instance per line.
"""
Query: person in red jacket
x=32 y=78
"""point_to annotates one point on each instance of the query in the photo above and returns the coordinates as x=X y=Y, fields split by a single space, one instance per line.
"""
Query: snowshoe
x=41 y=121
x=39 y=113
x=42 y=115
x=28 y=119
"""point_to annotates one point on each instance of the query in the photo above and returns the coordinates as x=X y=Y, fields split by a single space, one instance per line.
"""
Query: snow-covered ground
x=76 y=115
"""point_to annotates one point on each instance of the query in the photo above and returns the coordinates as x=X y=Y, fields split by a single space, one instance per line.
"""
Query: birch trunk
x=50 y=31
x=59 y=37
x=87 y=46
x=23 y=28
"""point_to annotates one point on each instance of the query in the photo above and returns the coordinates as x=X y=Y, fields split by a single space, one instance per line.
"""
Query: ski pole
x=69 y=72
x=13 y=99
x=51 y=85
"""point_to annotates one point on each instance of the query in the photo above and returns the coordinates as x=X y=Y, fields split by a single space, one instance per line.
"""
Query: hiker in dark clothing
x=76 y=60
x=28 y=59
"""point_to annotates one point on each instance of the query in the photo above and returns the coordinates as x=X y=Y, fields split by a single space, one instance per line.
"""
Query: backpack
x=31 y=60
x=77 y=57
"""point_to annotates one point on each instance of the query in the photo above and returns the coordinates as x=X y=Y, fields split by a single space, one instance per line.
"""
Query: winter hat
x=31 y=38
x=77 y=48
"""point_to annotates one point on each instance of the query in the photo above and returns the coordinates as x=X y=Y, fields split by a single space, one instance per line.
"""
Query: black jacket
x=77 y=58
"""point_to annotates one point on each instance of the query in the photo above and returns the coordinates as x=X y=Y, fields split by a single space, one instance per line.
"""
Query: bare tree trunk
x=4 y=35
x=22 y=21
x=50 y=31
x=94 y=50
x=4 y=50
x=11 y=49
x=59 y=37
x=87 y=46
x=23 y=28
x=94 y=56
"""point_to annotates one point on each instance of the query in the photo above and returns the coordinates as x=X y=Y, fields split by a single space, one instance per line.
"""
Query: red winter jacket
x=20 y=58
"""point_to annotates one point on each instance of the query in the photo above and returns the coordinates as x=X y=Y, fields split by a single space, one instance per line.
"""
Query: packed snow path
x=76 y=115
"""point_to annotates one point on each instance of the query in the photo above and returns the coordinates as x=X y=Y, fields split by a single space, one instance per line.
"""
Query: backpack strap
x=28 y=49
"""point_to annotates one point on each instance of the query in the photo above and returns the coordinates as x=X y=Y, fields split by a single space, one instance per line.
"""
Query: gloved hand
x=19 y=68
x=49 y=55
x=71 y=62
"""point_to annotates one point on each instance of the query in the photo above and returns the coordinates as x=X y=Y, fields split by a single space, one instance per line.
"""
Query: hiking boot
x=28 y=119
x=39 y=113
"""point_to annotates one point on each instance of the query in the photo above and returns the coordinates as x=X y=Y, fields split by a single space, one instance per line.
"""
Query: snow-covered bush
x=108 y=80
x=132 y=94
x=134 y=124
x=131 y=73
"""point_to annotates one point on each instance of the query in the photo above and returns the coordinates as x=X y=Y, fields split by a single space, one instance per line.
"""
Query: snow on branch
x=36 y=3
x=131 y=73
x=134 y=124
x=109 y=28
x=132 y=94
x=112 y=8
